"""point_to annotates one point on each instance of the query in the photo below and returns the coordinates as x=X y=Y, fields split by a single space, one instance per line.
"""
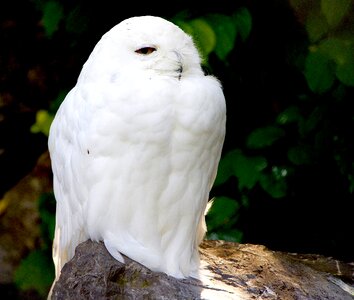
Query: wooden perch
x=229 y=271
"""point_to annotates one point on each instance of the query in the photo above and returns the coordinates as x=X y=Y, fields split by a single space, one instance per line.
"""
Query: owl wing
x=65 y=147
x=75 y=134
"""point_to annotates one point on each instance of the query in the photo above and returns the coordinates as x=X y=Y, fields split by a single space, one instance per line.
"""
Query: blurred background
x=286 y=178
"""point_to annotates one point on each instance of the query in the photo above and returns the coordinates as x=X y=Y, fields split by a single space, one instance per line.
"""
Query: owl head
x=145 y=46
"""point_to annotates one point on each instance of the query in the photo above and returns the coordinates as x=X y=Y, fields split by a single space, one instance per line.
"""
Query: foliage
x=328 y=69
x=52 y=15
x=36 y=271
x=216 y=32
x=221 y=219
x=43 y=122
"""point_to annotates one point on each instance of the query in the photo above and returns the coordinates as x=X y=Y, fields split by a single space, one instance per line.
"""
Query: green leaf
x=184 y=25
x=335 y=10
x=345 y=73
x=43 y=122
x=36 y=272
x=225 y=31
x=273 y=184
x=53 y=13
x=311 y=122
x=264 y=136
x=54 y=105
x=243 y=21
x=204 y=37
x=289 y=115
x=46 y=207
x=318 y=72
x=341 y=51
x=338 y=49
x=300 y=155
x=225 y=170
x=316 y=26
x=247 y=169
x=222 y=213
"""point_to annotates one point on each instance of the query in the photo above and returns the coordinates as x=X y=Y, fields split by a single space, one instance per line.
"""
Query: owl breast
x=150 y=156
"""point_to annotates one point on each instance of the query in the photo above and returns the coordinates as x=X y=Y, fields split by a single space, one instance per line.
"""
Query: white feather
x=135 y=147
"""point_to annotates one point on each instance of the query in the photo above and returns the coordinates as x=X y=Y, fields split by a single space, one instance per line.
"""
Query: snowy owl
x=135 y=147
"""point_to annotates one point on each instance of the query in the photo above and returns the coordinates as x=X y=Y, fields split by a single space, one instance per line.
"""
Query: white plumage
x=135 y=147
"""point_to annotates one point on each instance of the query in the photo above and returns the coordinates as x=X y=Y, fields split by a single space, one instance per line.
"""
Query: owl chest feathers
x=147 y=158
x=159 y=116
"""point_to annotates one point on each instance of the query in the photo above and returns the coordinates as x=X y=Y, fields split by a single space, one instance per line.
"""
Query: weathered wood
x=229 y=271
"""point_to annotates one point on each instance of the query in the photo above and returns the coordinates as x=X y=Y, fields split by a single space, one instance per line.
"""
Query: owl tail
x=202 y=228
x=59 y=257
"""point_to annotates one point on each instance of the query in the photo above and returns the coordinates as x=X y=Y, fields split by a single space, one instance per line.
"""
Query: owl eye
x=145 y=50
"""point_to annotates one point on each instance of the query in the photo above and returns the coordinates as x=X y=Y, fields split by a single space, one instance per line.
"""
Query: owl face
x=143 y=48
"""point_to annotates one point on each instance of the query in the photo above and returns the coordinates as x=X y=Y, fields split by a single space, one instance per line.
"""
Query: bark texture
x=229 y=271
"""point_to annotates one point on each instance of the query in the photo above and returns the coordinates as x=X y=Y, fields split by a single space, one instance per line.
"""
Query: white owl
x=135 y=147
